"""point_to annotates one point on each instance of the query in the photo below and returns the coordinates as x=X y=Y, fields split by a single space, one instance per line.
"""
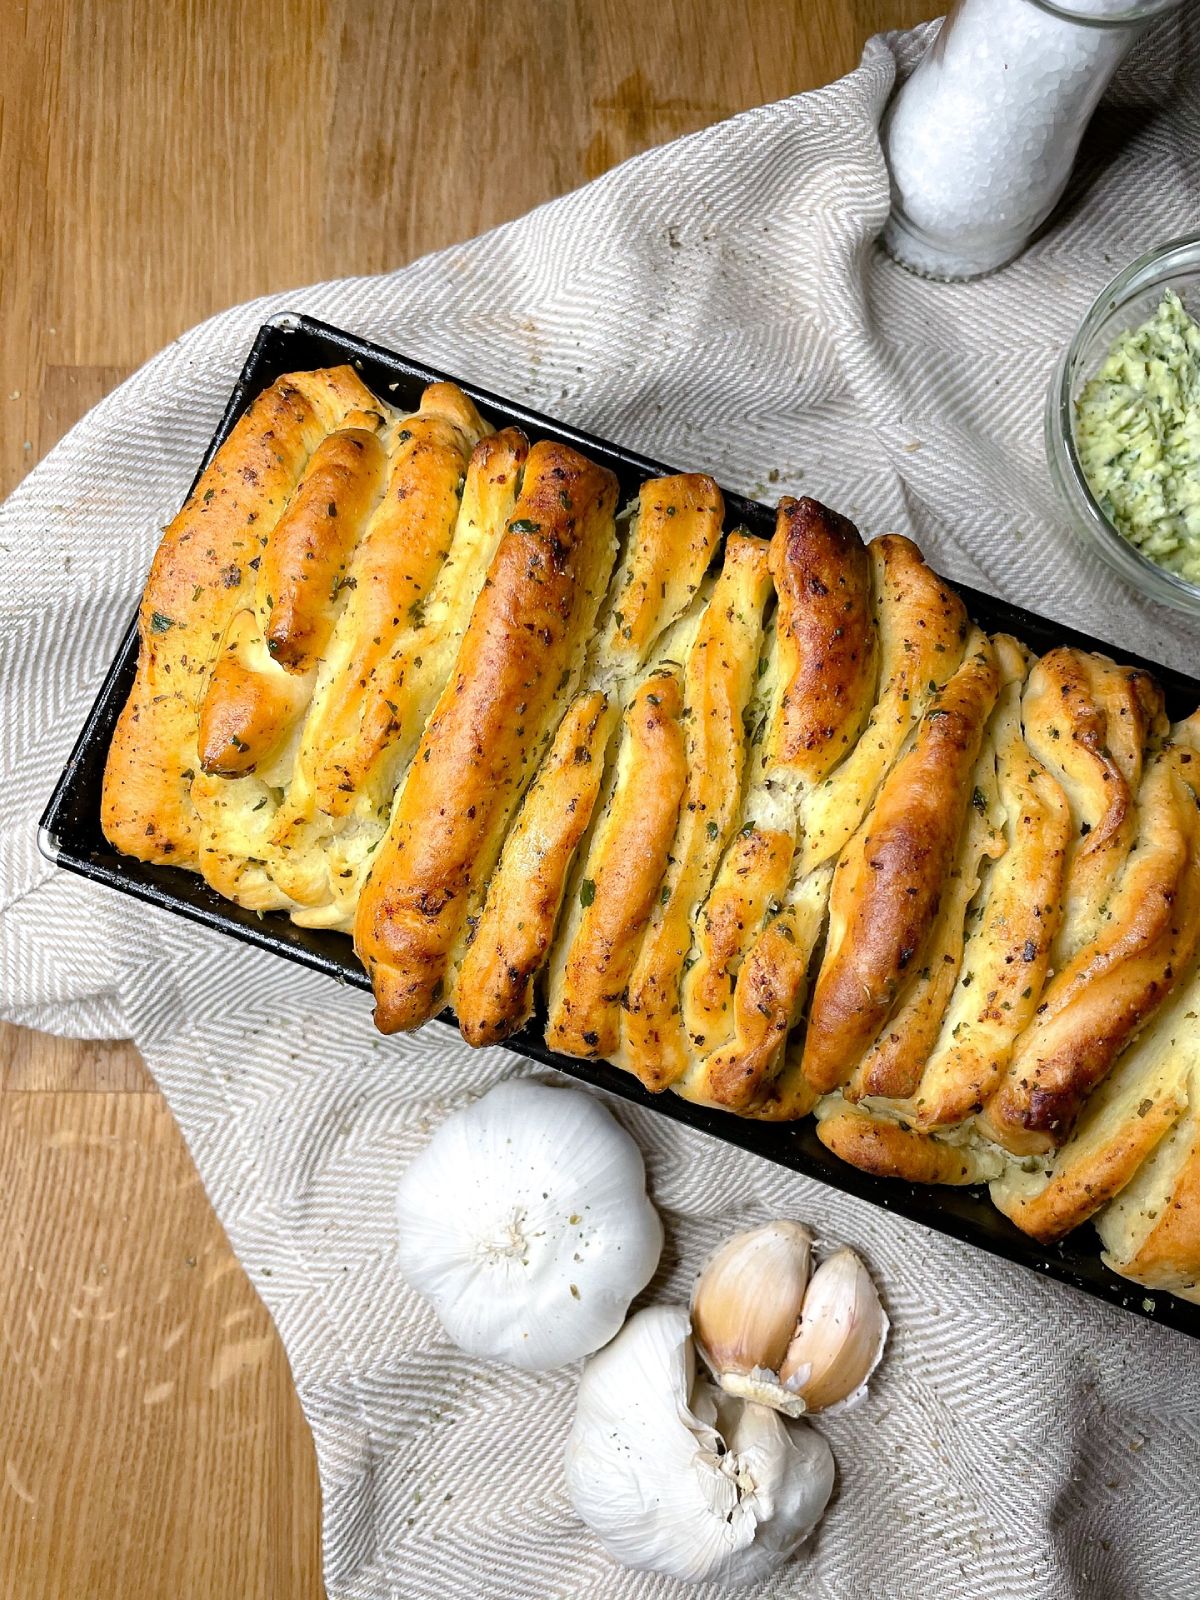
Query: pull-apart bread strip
x=263 y=679
x=523 y=649
x=1151 y=1231
x=613 y=895
x=1010 y=941
x=672 y=534
x=817 y=687
x=432 y=536
x=415 y=580
x=1095 y=1005
x=355 y=528
x=921 y=629
x=511 y=939
x=891 y=877
x=891 y=1069
x=1120 y=1127
x=887 y=1148
x=1090 y=724
x=1130 y=1112
x=1087 y=725
x=203 y=574
x=1011 y=930
x=982 y=974
x=669 y=541
x=719 y=676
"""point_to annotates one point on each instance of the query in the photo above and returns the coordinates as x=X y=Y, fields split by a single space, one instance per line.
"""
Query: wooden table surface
x=158 y=162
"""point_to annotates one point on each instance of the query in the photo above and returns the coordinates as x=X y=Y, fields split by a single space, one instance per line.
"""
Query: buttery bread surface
x=765 y=823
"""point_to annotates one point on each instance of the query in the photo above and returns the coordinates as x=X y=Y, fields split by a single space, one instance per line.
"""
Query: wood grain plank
x=39 y=1062
x=140 y=1373
x=159 y=162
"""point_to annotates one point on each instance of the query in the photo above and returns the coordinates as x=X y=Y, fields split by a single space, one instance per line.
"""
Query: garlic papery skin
x=675 y=1477
x=745 y=1309
x=839 y=1343
x=525 y=1221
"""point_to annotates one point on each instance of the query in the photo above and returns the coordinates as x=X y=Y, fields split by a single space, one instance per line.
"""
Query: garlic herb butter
x=1137 y=432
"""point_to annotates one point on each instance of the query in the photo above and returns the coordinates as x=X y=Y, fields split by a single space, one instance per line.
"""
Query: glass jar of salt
x=982 y=137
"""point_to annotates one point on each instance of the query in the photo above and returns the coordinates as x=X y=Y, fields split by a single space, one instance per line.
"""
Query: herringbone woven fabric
x=719 y=303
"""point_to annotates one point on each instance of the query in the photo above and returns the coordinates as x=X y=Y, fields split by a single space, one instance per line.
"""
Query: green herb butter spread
x=1137 y=431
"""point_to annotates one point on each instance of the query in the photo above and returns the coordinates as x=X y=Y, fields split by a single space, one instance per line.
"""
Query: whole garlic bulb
x=675 y=1477
x=773 y=1335
x=525 y=1221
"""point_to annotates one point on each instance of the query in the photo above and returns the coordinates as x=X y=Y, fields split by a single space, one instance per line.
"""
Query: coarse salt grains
x=982 y=137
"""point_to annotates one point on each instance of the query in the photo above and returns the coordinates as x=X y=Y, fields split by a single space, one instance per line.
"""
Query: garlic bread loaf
x=765 y=822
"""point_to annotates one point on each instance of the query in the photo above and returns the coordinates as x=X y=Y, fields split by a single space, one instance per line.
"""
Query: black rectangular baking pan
x=70 y=835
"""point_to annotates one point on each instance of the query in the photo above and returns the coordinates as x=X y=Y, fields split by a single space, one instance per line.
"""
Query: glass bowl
x=1127 y=301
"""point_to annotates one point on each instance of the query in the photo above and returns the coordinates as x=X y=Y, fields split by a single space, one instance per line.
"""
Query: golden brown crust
x=401 y=555
x=826 y=638
x=411 y=585
x=766 y=1004
x=1169 y=1255
x=893 y=1066
x=1151 y=1231
x=348 y=505
x=522 y=647
x=887 y=1150
x=675 y=533
x=1048 y=1205
x=719 y=676
x=250 y=705
x=669 y=542
x=303 y=567
x=1089 y=723
x=922 y=633
x=621 y=877
x=200 y=577
x=753 y=876
x=512 y=940
x=921 y=628
x=891 y=877
x=264 y=676
x=817 y=693
x=1006 y=959
x=1003 y=987
x=1122 y=1124
x=1097 y=1003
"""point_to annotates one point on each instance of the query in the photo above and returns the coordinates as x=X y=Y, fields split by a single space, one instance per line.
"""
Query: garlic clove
x=745 y=1309
x=839 y=1343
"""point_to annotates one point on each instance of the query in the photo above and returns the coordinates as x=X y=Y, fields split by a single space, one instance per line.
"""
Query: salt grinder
x=982 y=137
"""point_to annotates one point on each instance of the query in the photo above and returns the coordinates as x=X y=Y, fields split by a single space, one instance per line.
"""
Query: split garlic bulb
x=771 y=1334
x=675 y=1477
x=526 y=1223
x=839 y=1343
x=745 y=1309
